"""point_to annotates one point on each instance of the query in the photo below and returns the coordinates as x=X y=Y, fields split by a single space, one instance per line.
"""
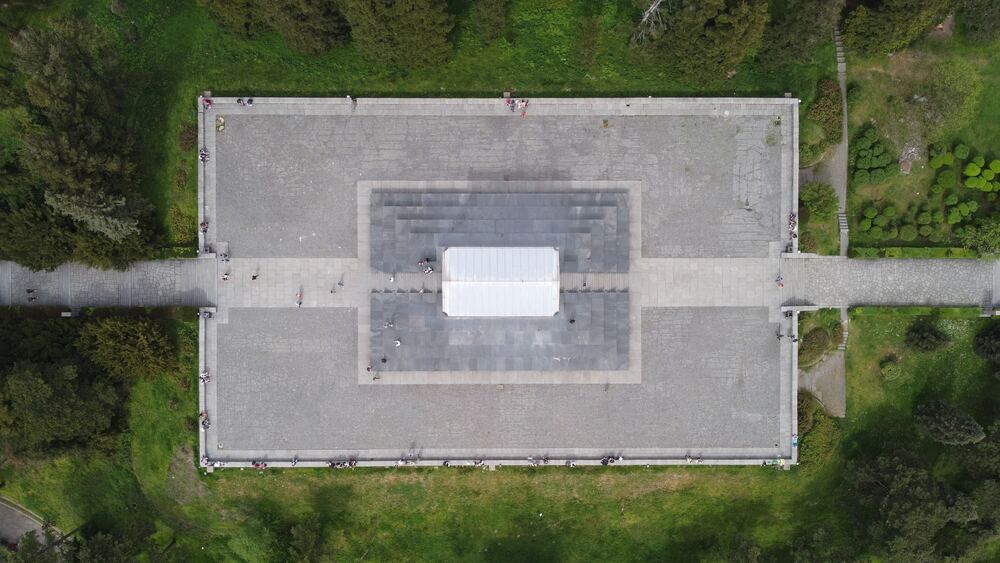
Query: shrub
x=819 y=444
x=947 y=178
x=972 y=169
x=871 y=212
x=987 y=342
x=819 y=198
x=889 y=211
x=924 y=334
x=961 y=151
x=890 y=369
x=995 y=166
x=854 y=94
x=947 y=425
x=861 y=177
x=951 y=200
x=908 y=233
x=924 y=218
x=891 y=233
x=963 y=208
x=926 y=230
x=979 y=161
x=881 y=220
x=814 y=344
x=865 y=224
x=987 y=174
x=877 y=233
x=939 y=217
x=491 y=17
x=954 y=216
x=826 y=109
x=973 y=206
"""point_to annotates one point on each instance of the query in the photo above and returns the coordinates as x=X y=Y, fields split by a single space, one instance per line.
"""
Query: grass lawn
x=549 y=48
x=824 y=232
x=886 y=84
x=145 y=481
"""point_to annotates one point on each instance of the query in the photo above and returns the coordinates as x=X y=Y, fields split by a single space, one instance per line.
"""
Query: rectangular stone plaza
x=327 y=220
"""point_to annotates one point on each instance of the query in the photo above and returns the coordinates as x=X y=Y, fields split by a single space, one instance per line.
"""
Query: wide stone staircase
x=589 y=228
x=591 y=332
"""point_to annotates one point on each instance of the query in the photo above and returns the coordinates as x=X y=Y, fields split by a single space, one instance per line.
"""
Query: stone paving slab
x=286 y=387
x=713 y=172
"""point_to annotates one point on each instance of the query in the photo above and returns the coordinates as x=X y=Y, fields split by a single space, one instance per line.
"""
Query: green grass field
x=145 y=482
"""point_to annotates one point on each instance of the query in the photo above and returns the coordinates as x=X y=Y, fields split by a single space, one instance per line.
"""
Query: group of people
x=350 y=463
x=258 y=464
x=31 y=295
x=793 y=225
x=204 y=377
x=694 y=459
x=611 y=459
x=426 y=265
x=203 y=154
x=203 y=419
x=517 y=105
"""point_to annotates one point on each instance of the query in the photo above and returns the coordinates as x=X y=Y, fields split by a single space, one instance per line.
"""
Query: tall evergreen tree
x=310 y=26
x=79 y=149
x=884 y=26
x=407 y=33
x=707 y=39
x=947 y=425
x=796 y=28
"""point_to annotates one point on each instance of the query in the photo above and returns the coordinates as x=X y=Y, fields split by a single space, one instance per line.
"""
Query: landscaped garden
x=930 y=105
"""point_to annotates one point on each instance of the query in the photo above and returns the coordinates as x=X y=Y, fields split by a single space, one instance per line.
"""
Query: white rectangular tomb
x=500 y=281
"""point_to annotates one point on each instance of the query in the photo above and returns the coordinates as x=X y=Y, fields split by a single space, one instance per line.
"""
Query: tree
x=947 y=425
x=33 y=236
x=978 y=19
x=128 y=349
x=984 y=238
x=912 y=506
x=246 y=18
x=987 y=342
x=707 y=39
x=819 y=198
x=490 y=17
x=310 y=26
x=791 y=35
x=79 y=148
x=883 y=26
x=924 y=334
x=406 y=33
x=43 y=405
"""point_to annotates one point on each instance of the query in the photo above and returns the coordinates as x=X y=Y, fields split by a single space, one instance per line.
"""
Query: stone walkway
x=830 y=281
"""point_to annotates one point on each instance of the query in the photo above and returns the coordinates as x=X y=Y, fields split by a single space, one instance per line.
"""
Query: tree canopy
x=410 y=34
x=947 y=425
x=310 y=26
x=883 y=26
x=707 y=40
x=791 y=34
x=128 y=349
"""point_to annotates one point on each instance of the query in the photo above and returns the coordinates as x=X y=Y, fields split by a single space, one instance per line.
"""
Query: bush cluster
x=870 y=159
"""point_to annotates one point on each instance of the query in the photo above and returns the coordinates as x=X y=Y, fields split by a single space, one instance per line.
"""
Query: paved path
x=146 y=284
x=829 y=281
x=16 y=521
x=827 y=383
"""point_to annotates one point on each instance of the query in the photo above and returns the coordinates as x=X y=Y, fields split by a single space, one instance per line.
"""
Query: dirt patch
x=945 y=29
x=633 y=486
x=183 y=485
